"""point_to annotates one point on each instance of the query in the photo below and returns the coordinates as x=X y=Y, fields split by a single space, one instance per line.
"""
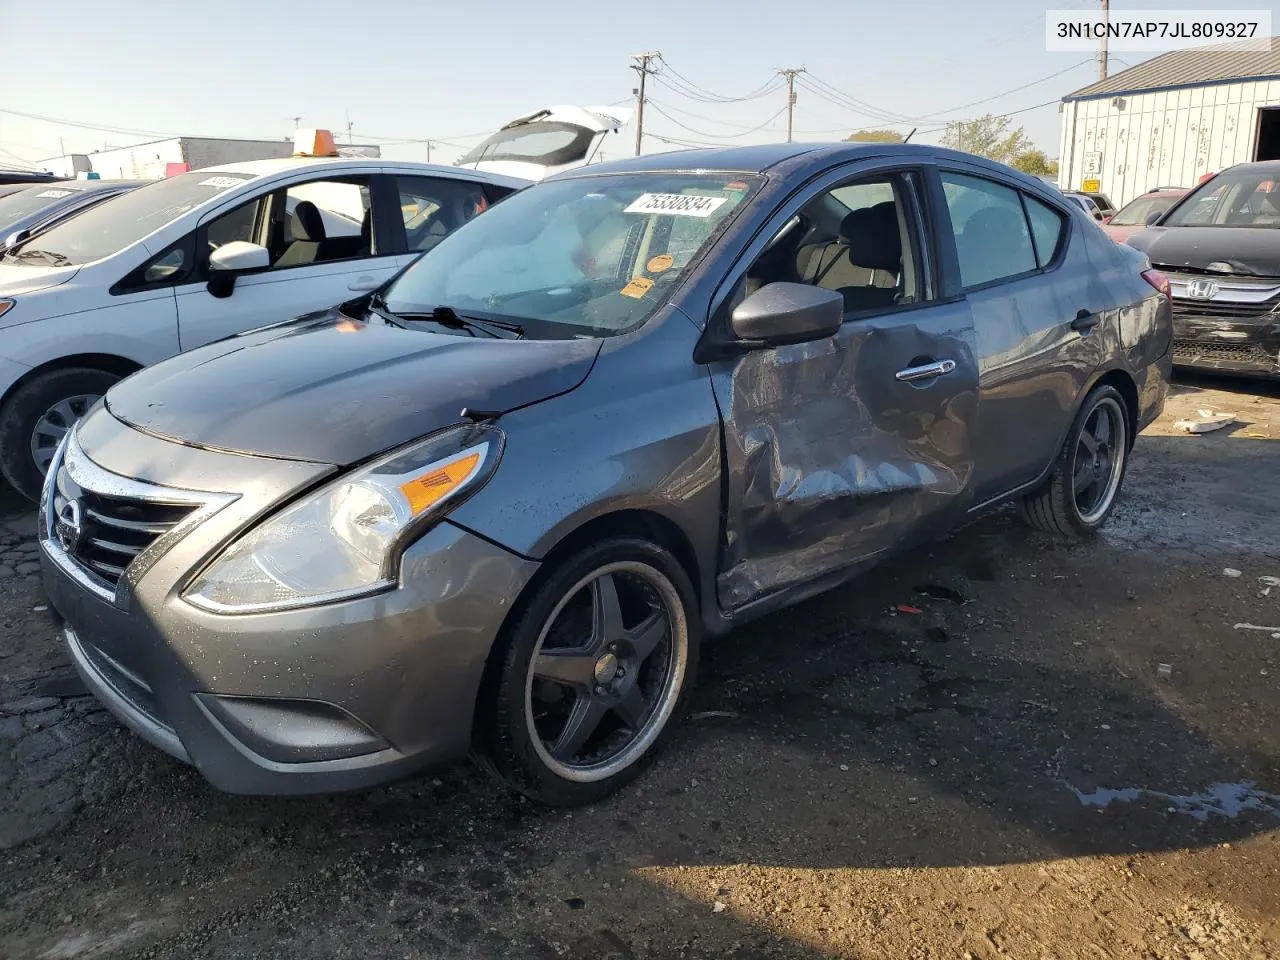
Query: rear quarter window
x=1048 y=229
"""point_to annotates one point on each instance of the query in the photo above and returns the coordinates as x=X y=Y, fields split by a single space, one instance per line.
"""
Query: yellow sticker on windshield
x=661 y=262
x=637 y=288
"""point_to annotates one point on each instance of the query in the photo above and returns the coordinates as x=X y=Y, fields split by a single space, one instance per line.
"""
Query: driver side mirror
x=232 y=259
x=784 y=313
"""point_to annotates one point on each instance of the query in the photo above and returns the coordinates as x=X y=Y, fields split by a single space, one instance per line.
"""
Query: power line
x=717 y=136
x=696 y=92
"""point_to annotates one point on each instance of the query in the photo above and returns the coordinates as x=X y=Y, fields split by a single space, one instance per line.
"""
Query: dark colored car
x=1140 y=211
x=1220 y=248
x=25 y=177
x=33 y=209
x=495 y=506
x=1094 y=204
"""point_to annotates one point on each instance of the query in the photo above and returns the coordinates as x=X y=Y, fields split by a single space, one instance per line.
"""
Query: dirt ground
x=1016 y=776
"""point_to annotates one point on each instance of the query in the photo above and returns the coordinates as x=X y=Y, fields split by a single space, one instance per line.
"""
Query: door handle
x=926 y=371
x=1084 y=322
x=363 y=284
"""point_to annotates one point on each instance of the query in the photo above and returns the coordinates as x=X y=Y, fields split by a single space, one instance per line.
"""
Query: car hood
x=334 y=390
x=1251 y=251
x=19 y=279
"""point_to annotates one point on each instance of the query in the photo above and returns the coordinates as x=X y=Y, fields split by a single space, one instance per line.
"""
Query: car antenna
x=479 y=416
x=907 y=138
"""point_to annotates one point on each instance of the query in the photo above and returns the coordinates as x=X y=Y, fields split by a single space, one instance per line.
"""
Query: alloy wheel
x=1098 y=464
x=607 y=671
x=54 y=424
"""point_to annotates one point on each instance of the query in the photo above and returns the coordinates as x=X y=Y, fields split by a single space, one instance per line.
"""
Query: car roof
x=266 y=168
x=797 y=157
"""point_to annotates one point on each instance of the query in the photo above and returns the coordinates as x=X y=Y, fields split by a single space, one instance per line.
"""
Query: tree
x=988 y=137
x=1035 y=163
x=875 y=136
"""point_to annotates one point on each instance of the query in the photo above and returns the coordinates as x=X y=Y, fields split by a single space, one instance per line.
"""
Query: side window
x=322 y=221
x=170 y=266
x=856 y=239
x=434 y=207
x=1047 y=229
x=992 y=239
x=238 y=224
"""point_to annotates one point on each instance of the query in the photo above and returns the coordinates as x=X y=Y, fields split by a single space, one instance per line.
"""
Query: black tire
x=507 y=711
x=24 y=410
x=1055 y=507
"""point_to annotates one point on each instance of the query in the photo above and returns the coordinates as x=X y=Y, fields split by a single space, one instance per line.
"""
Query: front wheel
x=1082 y=490
x=38 y=415
x=590 y=675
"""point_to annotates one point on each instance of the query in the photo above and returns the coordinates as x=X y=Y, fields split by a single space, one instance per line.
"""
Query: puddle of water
x=1221 y=799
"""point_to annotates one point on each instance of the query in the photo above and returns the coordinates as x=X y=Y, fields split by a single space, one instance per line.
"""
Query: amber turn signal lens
x=425 y=491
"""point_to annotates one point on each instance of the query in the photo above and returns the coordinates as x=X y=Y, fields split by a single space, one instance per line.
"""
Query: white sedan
x=198 y=257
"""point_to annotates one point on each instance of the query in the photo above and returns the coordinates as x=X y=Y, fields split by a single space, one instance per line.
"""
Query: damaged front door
x=841 y=449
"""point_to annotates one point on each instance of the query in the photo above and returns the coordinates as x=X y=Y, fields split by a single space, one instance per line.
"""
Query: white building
x=1170 y=120
x=159 y=158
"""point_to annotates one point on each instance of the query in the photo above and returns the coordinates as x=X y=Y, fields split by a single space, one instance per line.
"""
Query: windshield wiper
x=57 y=259
x=379 y=306
x=449 y=317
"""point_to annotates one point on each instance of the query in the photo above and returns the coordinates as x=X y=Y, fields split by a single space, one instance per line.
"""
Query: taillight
x=1159 y=281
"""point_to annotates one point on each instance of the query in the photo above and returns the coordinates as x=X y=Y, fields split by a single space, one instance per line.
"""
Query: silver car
x=495 y=506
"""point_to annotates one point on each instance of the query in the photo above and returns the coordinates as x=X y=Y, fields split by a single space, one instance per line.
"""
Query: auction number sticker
x=676 y=204
x=53 y=194
x=222 y=183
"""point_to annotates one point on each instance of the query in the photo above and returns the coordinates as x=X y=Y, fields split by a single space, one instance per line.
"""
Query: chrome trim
x=89 y=476
x=1228 y=290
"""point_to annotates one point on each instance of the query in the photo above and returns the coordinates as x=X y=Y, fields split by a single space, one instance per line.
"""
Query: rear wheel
x=592 y=674
x=1082 y=490
x=38 y=415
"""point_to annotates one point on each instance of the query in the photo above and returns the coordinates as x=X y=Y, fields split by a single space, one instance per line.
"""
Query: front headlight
x=346 y=539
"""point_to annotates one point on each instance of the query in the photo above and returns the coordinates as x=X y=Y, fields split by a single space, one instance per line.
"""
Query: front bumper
x=334 y=697
x=1248 y=346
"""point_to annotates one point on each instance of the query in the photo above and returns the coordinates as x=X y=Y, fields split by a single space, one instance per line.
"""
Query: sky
x=407 y=71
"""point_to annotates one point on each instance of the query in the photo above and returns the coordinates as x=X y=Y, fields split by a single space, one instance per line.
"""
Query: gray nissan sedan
x=495 y=506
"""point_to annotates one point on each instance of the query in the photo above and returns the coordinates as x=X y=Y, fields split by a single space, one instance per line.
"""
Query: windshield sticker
x=637 y=288
x=53 y=194
x=736 y=186
x=676 y=204
x=222 y=183
x=660 y=263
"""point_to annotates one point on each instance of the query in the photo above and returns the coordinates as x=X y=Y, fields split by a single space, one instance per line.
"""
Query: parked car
x=1220 y=247
x=197 y=257
x=547 y=141
x=27 y=177
x=1087 y=203
x=1139 y=212
x=495 y=505
x=35 y=209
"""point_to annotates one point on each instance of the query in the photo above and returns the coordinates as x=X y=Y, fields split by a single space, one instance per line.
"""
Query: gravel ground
x=1012 y=776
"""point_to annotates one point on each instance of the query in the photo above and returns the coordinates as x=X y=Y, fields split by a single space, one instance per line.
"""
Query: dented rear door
x=844 y=448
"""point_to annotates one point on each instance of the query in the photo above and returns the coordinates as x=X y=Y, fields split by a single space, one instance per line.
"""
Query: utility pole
x=641 y=66
x=296 y=121
x=1102 y=58
x=428 y=151
x=349 y=126
x=791 y=95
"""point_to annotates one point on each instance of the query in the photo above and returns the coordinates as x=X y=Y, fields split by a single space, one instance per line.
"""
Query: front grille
x=1246 y=353
x=114 y=529
x=1223 y=310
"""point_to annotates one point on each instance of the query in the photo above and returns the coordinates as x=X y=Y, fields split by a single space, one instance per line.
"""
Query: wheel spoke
x=1088 y=441
x=606 y=613
x=1083 y=480
x=43 y=457
x=573 y=667
x=645 y=637
x=1102 y=432
x=631 y=708
x=66 y=412
x=583 y=720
